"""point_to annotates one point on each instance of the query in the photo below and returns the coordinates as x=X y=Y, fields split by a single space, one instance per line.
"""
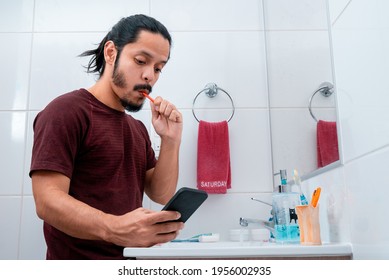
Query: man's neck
x=104 y=93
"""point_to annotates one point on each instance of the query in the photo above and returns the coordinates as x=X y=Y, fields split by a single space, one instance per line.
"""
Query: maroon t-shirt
x=104 y=152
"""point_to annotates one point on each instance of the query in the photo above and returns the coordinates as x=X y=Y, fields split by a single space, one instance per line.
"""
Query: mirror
x=299 y=62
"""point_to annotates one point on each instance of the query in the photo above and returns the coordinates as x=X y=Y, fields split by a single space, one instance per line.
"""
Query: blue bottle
x=284 y=203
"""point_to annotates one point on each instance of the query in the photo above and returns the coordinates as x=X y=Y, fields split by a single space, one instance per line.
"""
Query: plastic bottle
x=285 y=217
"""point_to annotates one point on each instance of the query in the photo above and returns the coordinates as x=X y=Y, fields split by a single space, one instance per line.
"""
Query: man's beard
x=119 y=81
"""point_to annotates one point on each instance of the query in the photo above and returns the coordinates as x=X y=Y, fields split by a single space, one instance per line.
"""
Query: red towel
x=327 y=143
x=213 y=157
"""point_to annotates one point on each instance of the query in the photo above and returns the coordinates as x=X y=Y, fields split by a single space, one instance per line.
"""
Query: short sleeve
x=58 y=130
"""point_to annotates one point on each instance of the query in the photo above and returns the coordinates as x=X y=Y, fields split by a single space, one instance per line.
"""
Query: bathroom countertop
x=241 y=250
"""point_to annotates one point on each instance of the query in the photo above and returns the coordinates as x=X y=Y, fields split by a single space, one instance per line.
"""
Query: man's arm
x=140 y=227
x=161 y=182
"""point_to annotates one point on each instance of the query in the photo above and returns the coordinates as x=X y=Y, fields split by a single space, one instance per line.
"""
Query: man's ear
x=110 y=52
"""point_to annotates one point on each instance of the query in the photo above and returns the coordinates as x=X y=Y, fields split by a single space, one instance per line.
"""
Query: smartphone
x=186 y=201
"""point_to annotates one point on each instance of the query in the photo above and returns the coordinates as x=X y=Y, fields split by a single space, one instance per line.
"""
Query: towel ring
x=326 y=89
x=211 y=91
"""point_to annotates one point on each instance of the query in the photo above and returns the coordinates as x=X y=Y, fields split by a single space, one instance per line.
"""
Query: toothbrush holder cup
x=309 y=224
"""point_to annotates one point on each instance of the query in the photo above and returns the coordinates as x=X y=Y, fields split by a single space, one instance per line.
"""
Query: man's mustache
x=144 y=86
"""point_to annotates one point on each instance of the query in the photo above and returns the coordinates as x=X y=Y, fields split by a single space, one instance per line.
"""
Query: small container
x=308 y=219
x=260 y=234
x=285 y=218
x=239 y=234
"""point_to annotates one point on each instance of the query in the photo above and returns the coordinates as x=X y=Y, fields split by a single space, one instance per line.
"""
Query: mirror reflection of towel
x=213 y=157
x=327 y=143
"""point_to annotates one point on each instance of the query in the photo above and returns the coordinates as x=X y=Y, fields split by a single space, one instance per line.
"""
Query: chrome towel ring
x=326 y=89
x=211 y=91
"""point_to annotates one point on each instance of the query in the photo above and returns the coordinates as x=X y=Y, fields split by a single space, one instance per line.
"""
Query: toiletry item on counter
x=309 y=223
x=204 y=237
x=254 y=234
x=214 y=237
x=308 y=220
x=283 y=187
x=297 y=182
x=284 y=181
x=315 y=197
x=286 y=229
x=240 y=235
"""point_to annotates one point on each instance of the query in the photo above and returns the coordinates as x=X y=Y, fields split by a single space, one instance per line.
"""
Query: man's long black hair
x=124 y=32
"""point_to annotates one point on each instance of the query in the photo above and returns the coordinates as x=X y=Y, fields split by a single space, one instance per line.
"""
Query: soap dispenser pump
x=284 y=182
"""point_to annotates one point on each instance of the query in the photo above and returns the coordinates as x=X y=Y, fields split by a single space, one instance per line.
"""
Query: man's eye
x=140 y=62
x=158 y=70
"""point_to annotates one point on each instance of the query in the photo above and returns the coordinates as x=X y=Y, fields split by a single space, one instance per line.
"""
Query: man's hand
x=166 y=119
x=143 y=228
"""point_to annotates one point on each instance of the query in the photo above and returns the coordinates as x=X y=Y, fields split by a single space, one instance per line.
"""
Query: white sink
x=249 y=249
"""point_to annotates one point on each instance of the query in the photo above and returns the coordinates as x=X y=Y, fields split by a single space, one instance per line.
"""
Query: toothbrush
x=315 y=197
x=147 y=96
x=196 y=238
x=297 y=181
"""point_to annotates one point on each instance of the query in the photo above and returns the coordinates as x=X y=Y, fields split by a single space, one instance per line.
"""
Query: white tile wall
x=15 y=52
x=12 y=142
x=203 y=15
x=336 y=8
x=32 y=244
x=362 y=15
x=369 y=204
x=296 y=15
x=86 y=15
x=219 y=41
x=224 y=58
x=299 y=61
x=16 y=16
x=59 y=52
x=363 y=101
x=27 y=186
x=10 y=207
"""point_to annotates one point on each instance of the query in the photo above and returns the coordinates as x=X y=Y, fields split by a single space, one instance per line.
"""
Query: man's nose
x=148 y=74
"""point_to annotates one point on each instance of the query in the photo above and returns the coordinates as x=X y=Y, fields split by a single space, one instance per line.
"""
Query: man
x=92 y=162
